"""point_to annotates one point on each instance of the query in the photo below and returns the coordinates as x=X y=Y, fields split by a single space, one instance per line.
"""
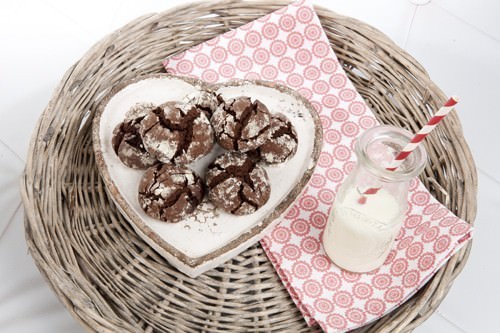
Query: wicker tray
x=112 y=281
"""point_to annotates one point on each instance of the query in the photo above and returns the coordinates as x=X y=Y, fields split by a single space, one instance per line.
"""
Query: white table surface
x=458 y=42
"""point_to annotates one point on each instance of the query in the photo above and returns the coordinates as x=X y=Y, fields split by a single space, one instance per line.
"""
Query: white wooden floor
x=457 y=41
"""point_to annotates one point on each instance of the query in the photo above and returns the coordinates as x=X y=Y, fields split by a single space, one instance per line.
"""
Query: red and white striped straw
x=414 y=142
x=420 y=136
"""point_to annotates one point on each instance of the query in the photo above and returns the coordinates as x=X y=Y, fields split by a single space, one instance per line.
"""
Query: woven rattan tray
x=112 y=281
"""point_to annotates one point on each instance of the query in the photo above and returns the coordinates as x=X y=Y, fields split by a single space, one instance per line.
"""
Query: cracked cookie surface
x=169 y=192
x=127 y=141
x=204 y=100
x=282 y=143
x=237 y=184
x=240 y=124
x=177 y=132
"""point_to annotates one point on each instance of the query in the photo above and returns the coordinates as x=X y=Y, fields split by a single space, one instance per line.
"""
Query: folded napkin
x=290 y=47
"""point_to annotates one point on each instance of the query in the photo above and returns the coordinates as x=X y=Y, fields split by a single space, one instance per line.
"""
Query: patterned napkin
x=290 y=47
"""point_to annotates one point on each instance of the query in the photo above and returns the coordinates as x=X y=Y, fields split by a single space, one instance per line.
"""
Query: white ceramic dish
x=209 y=237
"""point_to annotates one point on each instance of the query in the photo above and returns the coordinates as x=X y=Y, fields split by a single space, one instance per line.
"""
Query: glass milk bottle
x=370 y=205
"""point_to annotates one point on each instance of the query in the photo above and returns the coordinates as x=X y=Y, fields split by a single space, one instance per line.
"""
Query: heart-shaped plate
x=209 y=236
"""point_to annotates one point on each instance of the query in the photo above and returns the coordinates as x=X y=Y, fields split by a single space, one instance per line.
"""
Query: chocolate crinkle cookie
x=177 y=132
x=281 y=145
x=169 y=192
x=205 y=100
x=240 y=124
x=237 y=184
x=127 y=142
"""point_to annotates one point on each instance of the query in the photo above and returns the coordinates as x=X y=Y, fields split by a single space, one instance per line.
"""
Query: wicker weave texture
x=112 y=281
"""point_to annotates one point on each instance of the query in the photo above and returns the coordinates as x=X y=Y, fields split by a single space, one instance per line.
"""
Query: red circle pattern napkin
x=290 y=47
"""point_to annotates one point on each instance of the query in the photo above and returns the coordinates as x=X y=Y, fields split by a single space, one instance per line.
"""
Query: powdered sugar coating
x=168 y=192
x=282 y=144
x=240 y=124
x=205 y=100
x=140 y=109
x=177 y=132
x=127 y=141
x=237 y=184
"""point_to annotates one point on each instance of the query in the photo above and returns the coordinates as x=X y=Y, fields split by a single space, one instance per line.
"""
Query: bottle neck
x=377 y=148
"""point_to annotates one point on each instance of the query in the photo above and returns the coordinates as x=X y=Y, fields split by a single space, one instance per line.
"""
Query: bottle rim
x=414 y=164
